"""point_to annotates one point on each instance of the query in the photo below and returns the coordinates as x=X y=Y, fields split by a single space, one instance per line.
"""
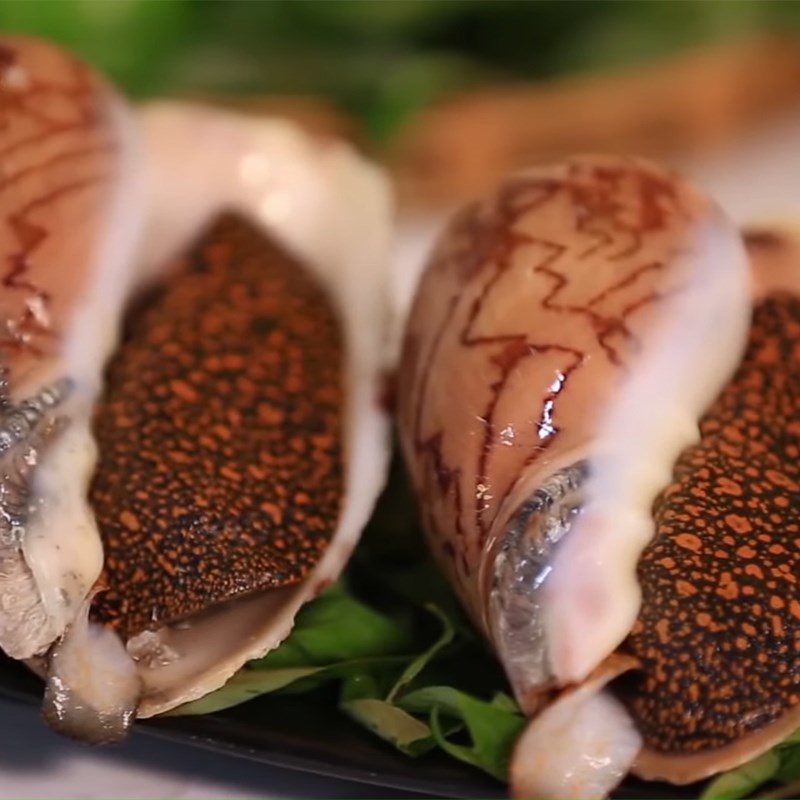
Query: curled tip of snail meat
x=92 y=688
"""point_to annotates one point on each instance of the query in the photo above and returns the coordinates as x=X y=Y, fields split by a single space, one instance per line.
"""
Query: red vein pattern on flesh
x=52 y=136
x=494 y=241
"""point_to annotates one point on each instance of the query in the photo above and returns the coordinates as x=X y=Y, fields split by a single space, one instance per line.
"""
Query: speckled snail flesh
x=262 y=253
x=720 y=580
x=616 y=469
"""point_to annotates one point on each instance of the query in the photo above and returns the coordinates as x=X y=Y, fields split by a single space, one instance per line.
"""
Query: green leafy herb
x=423 y=659
x=506 y=702
x=335 y=637
x=338 y=627
x=408 y=734
x=362 y=702
x=244 y=686
x=781 y=765
x=493 y=726
x=251 y=682
x=744 y=780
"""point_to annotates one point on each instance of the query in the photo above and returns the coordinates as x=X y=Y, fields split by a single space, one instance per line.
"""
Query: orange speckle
x=270 y=415
x=689 y=541
x=183 y=390
x=728 y=589
x=781 y=479
x=274 y=511
x=728 y=486
x=754 y=570
x=129 y=520
x=739 y=523
x=213 y=449
x=223 y=431
x=230 y=473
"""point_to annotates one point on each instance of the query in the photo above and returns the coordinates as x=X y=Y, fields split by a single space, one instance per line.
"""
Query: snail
x=597 y=408
x=164 y=521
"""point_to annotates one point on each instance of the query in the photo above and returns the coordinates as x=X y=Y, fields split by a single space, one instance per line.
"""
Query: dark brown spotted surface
x=719 y=629
x=220 y=469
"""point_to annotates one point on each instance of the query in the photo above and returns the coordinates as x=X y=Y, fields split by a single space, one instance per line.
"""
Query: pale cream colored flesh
x=585 y=743
x=92 y=687
x=581 y=746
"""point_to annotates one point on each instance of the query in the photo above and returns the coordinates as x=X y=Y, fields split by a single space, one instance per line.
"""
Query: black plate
x=306 y=733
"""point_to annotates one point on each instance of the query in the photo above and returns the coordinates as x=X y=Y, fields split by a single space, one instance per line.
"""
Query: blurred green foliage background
x=378 y=59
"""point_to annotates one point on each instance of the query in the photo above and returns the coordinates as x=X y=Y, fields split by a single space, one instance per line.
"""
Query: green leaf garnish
x=408 y=734
x=493 y=728
x=424 y=658
x=249 y=683
x=243 y=686
x=380 y=662
x=337 y=627
x=780 y=765
x=744 y=780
